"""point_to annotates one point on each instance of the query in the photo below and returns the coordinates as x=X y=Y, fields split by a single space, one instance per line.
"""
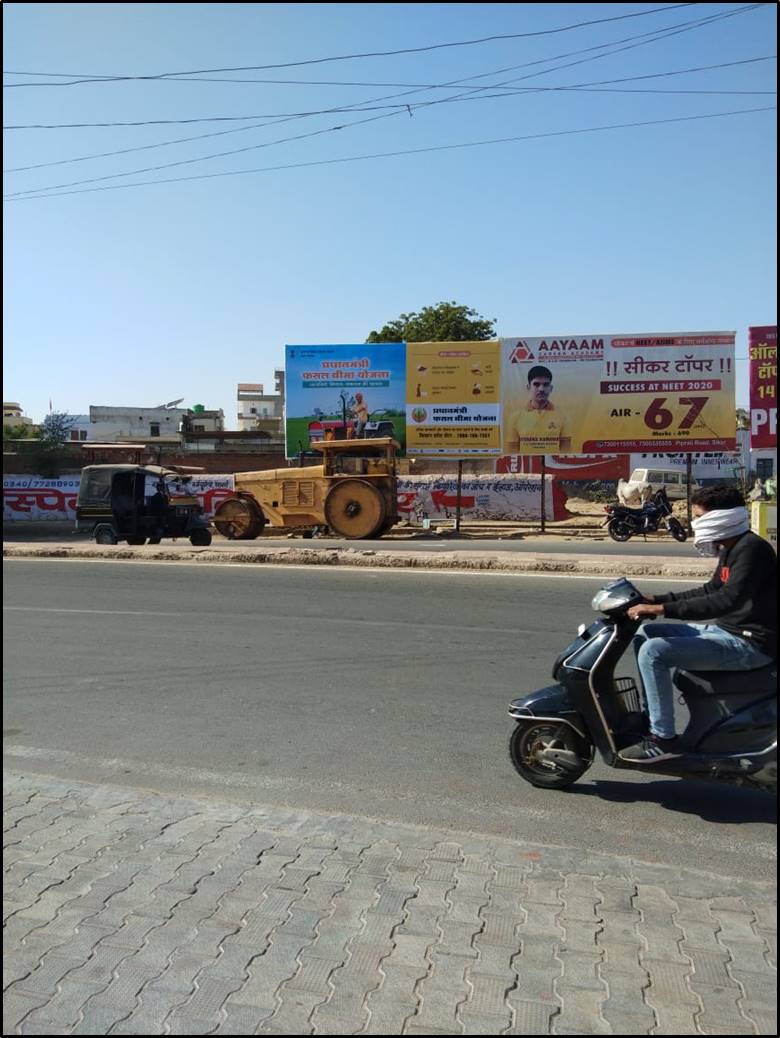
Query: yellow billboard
x=453 y=398
x=618 y=394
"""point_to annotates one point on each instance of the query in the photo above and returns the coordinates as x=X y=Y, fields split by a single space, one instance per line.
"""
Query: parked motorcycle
x=731 y=735
x=623 y=523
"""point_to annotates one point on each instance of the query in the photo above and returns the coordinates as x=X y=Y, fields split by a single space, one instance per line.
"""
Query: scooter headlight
x=616 y=596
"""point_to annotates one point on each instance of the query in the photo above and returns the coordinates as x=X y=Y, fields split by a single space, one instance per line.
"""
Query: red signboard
x=762 y=346
x=568 y=466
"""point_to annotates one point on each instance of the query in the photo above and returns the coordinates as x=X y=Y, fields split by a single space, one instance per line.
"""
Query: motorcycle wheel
x=619 y=531
x=529 y=740
x=678 y=531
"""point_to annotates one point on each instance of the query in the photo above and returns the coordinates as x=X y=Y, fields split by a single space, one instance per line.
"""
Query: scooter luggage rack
x=627 y=694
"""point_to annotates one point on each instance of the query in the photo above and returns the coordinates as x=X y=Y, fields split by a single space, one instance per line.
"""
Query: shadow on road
x=713 y=802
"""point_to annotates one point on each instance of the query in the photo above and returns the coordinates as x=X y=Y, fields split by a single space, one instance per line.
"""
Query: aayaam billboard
x=618 y=394
x=762 y=347
x=343 y=391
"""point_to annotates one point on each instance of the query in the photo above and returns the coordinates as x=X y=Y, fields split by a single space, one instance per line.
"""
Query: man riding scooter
x=741 y=598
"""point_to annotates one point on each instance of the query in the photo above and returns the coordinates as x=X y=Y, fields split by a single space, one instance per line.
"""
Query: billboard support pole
x=457 y=502
x=689 y=479
x=543 y=470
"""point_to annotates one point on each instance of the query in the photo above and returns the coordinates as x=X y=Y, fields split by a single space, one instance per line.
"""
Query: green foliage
x=54 y=434
x=55 y=429
x=445 y=322
x=19 y=432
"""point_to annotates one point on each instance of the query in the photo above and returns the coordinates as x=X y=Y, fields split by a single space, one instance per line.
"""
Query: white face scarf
x=713 y=528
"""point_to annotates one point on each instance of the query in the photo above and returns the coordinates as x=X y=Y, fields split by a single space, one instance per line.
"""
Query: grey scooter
x=731 y=735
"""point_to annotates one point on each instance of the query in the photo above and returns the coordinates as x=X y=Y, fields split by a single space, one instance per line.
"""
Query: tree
x=55 y=429
x=743 y=418
x=22 y=431
x=54 y=434
x=445 y=322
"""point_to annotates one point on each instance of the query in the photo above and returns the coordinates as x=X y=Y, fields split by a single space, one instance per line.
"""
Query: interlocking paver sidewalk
x=133 y=913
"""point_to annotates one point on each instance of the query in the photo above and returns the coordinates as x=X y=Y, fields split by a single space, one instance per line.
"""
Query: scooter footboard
x=549 y=704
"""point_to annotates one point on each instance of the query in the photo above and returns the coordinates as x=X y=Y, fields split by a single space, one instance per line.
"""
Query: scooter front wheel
x=549 y=755
x=677 y=530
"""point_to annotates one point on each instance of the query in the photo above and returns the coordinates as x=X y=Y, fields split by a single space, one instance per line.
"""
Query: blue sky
x=144 y=294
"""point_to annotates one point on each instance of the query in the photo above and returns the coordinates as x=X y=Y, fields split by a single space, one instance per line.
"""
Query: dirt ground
x=583 y=524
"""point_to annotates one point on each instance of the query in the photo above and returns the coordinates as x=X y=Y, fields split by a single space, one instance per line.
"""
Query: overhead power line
x=96 y=78
x=365 y=107
x=395 y=154
x=580 y=90
x=329 y=129
x=616 y=46
x=640 y=39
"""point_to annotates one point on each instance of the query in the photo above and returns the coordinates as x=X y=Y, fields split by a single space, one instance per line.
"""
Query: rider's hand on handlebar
x=647 y=610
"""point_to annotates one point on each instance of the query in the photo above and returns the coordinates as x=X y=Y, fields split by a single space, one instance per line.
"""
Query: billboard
x=481 y=497
x=618 y=394
x=35 y=498
x=762 y=348
x=344 y=391
x=569 y=466
x=453 y=399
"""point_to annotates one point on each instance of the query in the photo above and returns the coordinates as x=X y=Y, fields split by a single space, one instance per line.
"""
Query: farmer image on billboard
x=592 y=394
x=344 y=392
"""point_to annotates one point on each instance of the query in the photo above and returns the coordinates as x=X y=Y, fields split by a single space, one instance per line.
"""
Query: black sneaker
x=652 y=750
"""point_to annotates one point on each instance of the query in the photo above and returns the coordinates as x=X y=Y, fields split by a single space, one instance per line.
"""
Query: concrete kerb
x=495 y=561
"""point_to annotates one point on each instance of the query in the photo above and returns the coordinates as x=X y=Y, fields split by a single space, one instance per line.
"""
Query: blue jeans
x=661 y=647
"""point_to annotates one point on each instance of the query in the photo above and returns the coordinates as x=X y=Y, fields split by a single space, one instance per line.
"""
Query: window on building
x=154 y=428
x=764 y=468
x=253 y=410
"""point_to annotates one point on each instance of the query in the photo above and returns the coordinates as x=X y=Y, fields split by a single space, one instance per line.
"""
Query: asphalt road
x=370 y=692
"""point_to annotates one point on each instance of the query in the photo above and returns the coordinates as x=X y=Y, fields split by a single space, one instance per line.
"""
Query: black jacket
x=741 y=597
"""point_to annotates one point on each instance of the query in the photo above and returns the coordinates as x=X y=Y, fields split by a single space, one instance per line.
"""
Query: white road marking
x=95 y=612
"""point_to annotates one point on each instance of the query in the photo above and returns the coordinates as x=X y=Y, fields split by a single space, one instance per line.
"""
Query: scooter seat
x=759 y=682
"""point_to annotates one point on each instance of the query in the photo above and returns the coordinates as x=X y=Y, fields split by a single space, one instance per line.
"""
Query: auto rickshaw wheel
x=105 y=535
x=355 y=508
x=200 y=538
x=239 y=519
x=136 y=540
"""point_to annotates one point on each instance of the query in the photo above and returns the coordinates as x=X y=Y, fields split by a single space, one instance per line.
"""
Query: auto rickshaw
x=135 y=503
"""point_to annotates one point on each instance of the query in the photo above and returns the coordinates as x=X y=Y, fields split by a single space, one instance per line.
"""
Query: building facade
x=255 y=404
x=13 y=415
x=115 y=424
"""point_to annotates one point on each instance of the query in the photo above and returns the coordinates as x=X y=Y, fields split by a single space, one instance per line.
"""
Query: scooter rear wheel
x=619 y=530
x=530 y=742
